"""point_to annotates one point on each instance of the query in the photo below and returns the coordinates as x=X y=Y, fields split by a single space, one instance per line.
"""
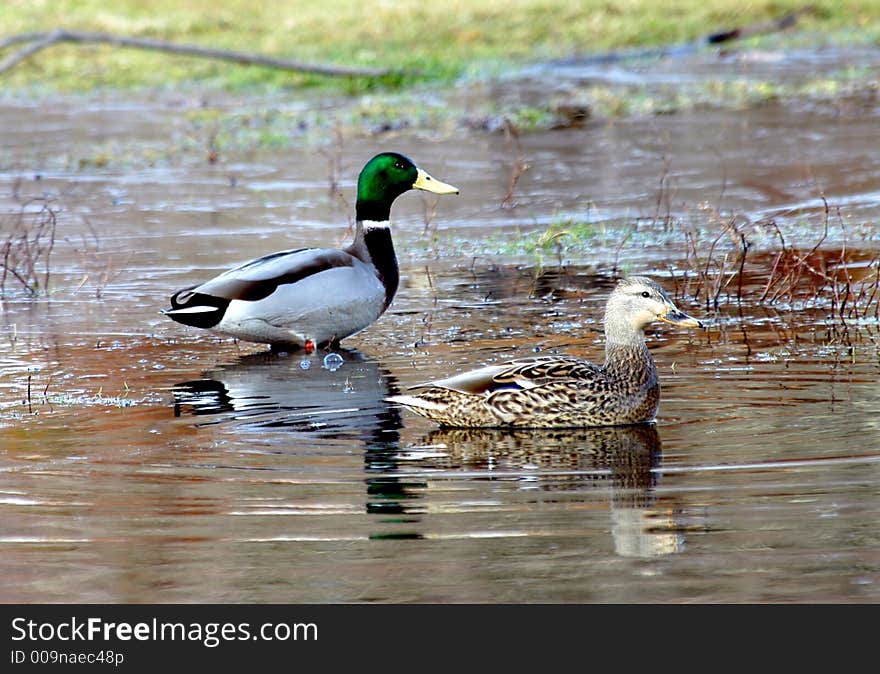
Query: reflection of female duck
x=627 y=456
x=628 y=452
x=273 y=390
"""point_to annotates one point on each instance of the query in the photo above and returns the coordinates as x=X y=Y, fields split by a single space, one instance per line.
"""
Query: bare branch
x=42 y=40
x=19 y=38
x=46 y=40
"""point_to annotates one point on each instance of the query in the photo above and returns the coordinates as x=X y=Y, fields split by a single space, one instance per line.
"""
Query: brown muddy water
x=144 y=462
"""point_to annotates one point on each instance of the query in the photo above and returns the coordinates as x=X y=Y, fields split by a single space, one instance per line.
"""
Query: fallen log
x=39 y=41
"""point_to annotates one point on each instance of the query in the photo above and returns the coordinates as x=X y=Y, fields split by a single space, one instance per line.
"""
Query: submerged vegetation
x=728 y=260
x=209 y=131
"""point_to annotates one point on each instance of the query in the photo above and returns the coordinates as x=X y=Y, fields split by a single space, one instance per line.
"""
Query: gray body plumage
x=336 y=302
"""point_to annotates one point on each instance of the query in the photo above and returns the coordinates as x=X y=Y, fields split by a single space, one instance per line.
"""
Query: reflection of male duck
x=319 y=397
x=627 y=456
x=327 y=400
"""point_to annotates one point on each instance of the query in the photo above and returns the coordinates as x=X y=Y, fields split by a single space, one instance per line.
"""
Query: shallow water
x=144 y=462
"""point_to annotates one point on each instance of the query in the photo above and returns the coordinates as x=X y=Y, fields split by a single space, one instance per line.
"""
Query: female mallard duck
x=313 y=297
x=558 y=391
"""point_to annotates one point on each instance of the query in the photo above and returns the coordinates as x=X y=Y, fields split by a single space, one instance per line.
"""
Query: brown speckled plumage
x=560 y=391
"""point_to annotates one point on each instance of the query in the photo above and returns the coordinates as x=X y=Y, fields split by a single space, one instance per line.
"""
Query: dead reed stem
x=27 y=249
x=520 y=166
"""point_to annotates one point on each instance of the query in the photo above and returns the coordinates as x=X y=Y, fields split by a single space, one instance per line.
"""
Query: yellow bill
x=429 y=184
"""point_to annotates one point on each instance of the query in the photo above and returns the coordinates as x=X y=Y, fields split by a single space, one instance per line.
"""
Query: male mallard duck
x=559 y=391
x=312 y=297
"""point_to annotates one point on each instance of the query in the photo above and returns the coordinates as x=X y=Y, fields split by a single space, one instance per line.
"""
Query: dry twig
x=28 y=245
x=520 y=166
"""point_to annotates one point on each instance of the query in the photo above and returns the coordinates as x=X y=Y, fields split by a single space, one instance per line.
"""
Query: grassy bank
x=440 y=40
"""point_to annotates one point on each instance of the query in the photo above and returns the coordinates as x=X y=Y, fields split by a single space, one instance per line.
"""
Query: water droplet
x=333 y=361
x=305 y=363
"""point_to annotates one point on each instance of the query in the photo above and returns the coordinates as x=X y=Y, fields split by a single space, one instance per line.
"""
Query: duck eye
x=398 y=165
x=646 y=294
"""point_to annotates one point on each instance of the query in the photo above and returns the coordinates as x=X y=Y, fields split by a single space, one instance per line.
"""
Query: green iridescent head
x=385 y=177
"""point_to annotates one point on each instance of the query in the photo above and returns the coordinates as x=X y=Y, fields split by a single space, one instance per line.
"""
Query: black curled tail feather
x=196 y=309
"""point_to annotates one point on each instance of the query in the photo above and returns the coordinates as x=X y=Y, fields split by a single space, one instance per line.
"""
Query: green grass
x=439 y=40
